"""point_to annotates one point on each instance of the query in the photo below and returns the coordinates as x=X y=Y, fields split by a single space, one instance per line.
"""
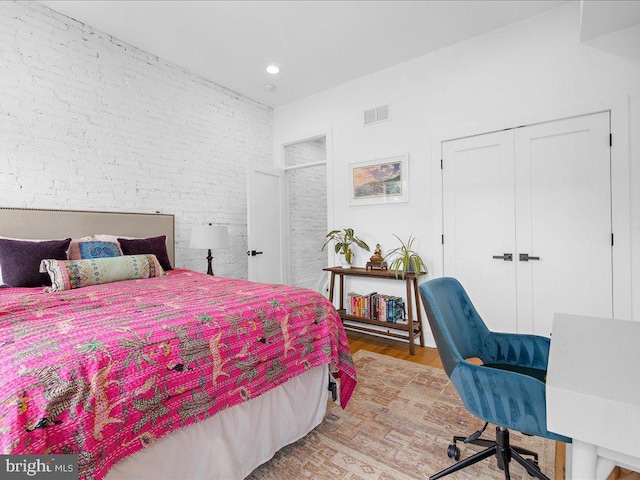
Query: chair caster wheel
x=453 y=452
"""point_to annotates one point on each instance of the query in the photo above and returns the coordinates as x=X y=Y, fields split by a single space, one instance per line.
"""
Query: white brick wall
x=307 y=212
x=90 y=122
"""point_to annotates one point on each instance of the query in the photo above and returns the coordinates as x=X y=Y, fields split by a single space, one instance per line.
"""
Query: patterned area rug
x=397 y=426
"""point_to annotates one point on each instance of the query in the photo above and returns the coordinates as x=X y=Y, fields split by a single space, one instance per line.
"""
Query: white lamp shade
x=209 y=236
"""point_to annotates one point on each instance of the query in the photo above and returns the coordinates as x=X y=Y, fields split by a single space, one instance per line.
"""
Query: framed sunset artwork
x=384 y=180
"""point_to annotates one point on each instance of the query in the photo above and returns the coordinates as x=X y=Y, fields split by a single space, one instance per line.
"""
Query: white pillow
x=103 y=237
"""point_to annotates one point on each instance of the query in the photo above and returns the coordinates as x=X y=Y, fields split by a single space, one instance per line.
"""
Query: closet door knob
x=524 y=257
x=507 y=257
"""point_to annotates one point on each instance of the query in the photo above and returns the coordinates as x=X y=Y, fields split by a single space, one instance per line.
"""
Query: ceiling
x=316 y=44
x=602 y=17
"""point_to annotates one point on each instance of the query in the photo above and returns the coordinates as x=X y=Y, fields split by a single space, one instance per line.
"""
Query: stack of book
x=375 y=306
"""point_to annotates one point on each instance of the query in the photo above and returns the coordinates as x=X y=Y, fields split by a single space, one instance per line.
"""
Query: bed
x=182 y=375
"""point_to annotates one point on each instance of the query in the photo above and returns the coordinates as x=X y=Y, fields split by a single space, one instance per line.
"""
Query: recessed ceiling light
x=269 y=88
x=272 y=69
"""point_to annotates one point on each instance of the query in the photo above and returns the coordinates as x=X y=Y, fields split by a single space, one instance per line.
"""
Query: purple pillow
x=141 y=246
x=20 y=260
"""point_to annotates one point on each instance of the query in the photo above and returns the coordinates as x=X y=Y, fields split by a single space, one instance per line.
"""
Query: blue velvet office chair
x=508 y=390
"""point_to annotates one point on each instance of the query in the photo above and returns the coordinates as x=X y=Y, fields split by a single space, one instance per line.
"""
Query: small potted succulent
x=343 y=240
x=404 y=259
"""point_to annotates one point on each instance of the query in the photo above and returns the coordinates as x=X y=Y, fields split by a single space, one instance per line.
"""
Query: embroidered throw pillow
x=83 y=249
x=69 y=274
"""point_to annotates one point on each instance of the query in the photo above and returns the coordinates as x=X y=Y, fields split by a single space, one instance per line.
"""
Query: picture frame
x=379 y=181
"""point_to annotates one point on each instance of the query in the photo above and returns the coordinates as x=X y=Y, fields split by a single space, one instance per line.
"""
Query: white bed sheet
x=234 y=442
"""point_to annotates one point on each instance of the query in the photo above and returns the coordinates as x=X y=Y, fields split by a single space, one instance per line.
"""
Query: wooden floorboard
x=393 y=348
x=425 y=356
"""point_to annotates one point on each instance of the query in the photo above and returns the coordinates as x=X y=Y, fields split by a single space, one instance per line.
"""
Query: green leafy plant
x=404 y=259
x=343 y=240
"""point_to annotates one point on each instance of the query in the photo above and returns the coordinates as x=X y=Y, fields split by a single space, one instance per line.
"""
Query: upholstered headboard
x=36 y=224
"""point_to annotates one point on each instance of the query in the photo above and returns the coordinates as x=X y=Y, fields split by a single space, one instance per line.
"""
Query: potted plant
x=404 y=259
x=343 y=240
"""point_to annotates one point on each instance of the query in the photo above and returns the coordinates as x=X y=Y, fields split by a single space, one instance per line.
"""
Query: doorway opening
x=305 y=165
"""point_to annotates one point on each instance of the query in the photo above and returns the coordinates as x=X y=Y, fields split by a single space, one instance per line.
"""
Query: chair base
x=503 y=451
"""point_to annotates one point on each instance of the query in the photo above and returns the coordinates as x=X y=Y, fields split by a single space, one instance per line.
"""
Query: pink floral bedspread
x=103 y=371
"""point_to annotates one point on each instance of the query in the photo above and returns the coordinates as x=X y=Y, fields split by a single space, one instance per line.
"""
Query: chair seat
x=531 y=372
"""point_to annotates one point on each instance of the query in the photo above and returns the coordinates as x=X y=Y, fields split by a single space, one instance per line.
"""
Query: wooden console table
x=413 y=327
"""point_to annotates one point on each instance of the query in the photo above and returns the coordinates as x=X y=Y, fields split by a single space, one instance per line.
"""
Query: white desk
x=593 y=392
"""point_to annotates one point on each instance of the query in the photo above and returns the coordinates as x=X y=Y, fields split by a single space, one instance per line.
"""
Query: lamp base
x=209 y=268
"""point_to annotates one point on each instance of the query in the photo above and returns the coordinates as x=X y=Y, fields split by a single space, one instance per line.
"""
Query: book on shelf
x=398 y=312
x=360 y=305
x=369 y=305
x=375 y=306
x=349 y=306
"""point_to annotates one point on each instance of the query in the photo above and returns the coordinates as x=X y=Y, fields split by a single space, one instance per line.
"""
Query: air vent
x=375 y=115
x=370 y=116
x=382 y=113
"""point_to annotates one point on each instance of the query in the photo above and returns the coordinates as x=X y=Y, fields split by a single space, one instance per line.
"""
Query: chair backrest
x=457 y=328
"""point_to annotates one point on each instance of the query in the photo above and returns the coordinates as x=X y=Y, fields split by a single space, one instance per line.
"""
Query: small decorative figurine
x=376 y=262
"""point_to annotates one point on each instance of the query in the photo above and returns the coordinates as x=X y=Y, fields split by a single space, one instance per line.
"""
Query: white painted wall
x=89 y=122
x=534 y=66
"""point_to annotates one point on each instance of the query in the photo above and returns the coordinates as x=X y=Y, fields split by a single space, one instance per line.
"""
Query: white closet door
x=479 y=216
x=563 y=211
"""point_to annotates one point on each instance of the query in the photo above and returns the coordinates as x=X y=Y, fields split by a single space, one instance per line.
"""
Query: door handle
x=524 y=257
x=253 y=253
x=507 y=257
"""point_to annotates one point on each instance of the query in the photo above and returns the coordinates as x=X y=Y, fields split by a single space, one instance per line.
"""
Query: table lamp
x=209 y=236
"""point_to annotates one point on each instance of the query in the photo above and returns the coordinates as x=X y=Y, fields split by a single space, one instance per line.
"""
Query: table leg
x=412 y=347
x=333 y=280
x=584 y=460
x=341 y=292
x=604 y=468
x=418 y=311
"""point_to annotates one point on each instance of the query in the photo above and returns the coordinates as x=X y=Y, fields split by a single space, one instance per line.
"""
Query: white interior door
x=543 y=191
x=479 y=223
x=265 y=193
x=563 y=211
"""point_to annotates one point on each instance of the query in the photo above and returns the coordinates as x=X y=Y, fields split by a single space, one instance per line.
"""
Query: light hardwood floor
x=393 y=348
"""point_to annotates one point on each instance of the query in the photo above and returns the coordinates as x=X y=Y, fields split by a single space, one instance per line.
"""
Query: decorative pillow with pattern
x=69 y=274
x=84 y=249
